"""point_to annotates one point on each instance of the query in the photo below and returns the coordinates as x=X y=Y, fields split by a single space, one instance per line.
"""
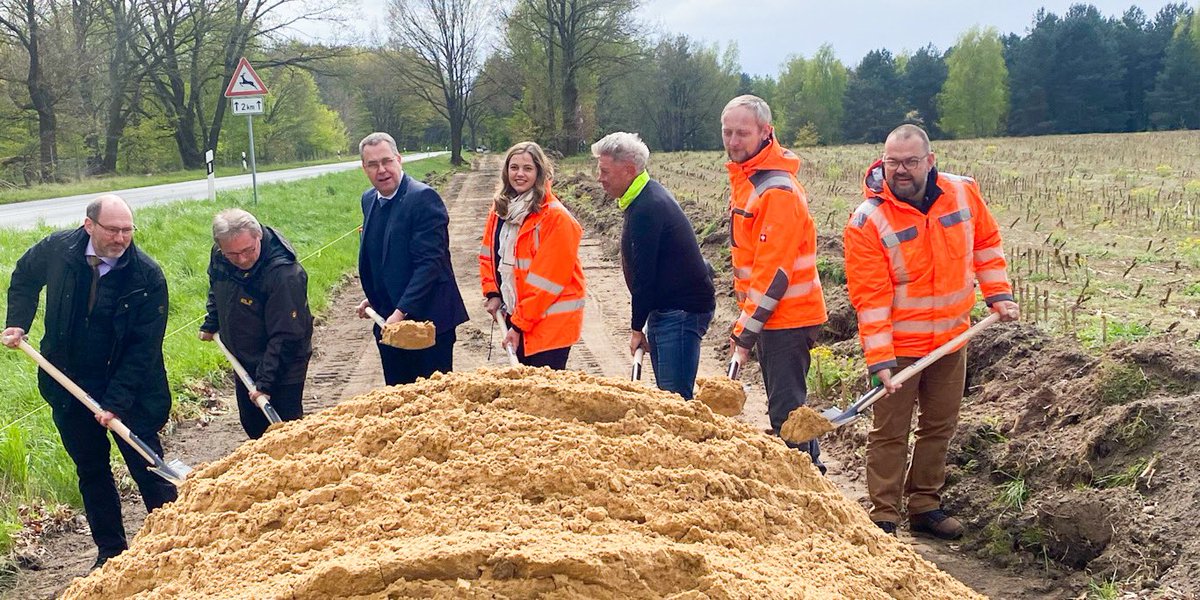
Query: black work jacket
x=136 y=387
x=262 y=314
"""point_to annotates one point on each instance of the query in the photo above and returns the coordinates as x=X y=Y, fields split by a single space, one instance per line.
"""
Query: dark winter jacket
x=262 y=314
x=135 y=386
x=661 y=259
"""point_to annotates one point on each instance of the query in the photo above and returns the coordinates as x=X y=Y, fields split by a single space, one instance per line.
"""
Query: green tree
x=564 y=45
x=974 y=100
x=811 y=92
x=924 y=74
x=873 y=102
x=689 y=86
x=1175 y=101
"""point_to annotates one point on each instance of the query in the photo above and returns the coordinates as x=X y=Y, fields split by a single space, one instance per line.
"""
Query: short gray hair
x=760 y=108
x=377 y=138
x=907 y=131
x=231 y=222
x=623 y=146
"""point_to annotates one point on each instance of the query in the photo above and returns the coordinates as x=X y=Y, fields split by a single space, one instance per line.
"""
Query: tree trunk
x=42 y=100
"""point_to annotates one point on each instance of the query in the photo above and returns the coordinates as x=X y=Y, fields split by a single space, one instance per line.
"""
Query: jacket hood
x=773 y=157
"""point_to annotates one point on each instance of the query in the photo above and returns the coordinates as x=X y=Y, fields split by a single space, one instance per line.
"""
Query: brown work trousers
x=937 y=393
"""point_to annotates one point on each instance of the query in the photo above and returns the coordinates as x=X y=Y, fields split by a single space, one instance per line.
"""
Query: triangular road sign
x=245 y=81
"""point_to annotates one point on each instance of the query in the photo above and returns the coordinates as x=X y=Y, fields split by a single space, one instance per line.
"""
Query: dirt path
x=345 y=363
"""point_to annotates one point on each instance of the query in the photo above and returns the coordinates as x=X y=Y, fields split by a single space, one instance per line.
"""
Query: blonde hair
x=541 y=183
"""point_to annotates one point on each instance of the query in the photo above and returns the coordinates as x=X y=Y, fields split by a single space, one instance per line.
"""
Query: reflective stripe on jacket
x=550 y=284
x=773 y=244
x=911 y=276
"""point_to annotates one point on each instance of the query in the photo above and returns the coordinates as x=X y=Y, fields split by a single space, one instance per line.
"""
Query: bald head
x=909 y=131
x=109 y=222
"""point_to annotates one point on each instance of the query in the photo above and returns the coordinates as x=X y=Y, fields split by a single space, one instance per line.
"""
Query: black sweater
x=661 y=259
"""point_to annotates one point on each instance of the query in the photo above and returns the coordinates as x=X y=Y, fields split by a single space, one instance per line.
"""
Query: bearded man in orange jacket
x=773 y=246
x=914 y=251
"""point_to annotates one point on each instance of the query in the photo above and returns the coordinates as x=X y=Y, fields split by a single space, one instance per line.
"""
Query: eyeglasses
x=116 y=230
x=375 y=165
x=909 y=163
x=247 y=252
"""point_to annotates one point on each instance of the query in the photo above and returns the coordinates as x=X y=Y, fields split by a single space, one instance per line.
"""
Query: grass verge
x=320 y=216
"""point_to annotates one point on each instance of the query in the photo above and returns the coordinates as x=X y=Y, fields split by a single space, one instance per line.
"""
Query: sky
x=767 y=32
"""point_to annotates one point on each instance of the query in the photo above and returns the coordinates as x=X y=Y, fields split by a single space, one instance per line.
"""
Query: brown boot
x=936 y=523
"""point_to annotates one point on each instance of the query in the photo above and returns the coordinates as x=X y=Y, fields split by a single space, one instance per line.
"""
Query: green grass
x=313 y=214
x=96 y=185
x=1103 y=590
x=1013 y=493
x=1124 y=478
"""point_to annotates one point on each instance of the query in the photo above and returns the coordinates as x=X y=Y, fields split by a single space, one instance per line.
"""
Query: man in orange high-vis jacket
x=914 y=251
x=773 y=243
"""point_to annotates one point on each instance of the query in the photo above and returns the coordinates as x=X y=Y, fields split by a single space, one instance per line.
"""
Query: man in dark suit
x=106 y=315
x=404 y=261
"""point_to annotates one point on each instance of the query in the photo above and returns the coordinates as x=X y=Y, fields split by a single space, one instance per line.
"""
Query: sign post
x=212 y=176
x=245 y=93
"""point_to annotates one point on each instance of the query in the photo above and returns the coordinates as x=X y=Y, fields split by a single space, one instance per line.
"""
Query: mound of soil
x=1080 y=459
x=514 y=483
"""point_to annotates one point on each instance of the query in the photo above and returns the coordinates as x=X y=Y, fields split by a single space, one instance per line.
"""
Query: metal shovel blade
x=272 y=416
x=174 y=471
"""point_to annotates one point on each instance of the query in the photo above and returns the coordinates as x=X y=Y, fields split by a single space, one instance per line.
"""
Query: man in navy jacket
x=404 y=261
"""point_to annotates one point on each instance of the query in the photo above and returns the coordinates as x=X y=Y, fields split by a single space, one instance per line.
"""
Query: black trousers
x=406 y=366
x=286 y=400
x=86 y=442
x=783 y=355
x=555 y=359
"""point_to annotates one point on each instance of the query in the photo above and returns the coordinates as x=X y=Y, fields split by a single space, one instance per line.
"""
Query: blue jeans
x=674 y=337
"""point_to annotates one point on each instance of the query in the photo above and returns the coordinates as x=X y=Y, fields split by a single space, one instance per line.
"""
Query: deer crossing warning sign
x=245 y=82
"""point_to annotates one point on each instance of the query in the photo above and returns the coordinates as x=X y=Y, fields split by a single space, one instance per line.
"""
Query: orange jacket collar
x=875 y=186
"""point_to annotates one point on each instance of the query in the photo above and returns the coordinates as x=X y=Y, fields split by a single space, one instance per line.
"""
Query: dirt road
x=345 y=364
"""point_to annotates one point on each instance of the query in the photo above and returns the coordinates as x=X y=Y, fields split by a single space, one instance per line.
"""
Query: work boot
x=100 y=560
x=936 y=523
x=888 y=527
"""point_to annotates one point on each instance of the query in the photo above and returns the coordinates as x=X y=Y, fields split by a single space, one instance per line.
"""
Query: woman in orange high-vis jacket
x=529 y=261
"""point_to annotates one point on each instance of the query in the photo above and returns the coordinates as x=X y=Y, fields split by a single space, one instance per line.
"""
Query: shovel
x=174 y=471
x=635 y=373
x=512 y=354
x=854 y=411
x=263 y=401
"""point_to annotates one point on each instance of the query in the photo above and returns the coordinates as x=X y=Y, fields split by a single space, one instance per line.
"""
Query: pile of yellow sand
x=410 y=335
x=514 y=483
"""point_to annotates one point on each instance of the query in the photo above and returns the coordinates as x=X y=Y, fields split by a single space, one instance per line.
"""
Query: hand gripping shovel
x=635 y=372
x=263 y=402
x=174 y=471
x=513 y=361
x=839 y=418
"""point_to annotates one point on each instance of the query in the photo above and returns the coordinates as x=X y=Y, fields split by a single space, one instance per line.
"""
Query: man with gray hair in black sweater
x=671 y=284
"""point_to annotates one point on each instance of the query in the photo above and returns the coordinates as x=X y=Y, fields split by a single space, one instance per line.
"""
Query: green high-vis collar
x=635 y=188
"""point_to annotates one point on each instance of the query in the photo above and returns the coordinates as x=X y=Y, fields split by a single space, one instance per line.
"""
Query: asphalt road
x=68 y=210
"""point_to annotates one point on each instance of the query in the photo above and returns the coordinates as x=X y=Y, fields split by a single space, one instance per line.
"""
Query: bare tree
x=444 y=39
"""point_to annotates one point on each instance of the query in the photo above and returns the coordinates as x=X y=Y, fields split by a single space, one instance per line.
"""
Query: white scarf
x=518 y=210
